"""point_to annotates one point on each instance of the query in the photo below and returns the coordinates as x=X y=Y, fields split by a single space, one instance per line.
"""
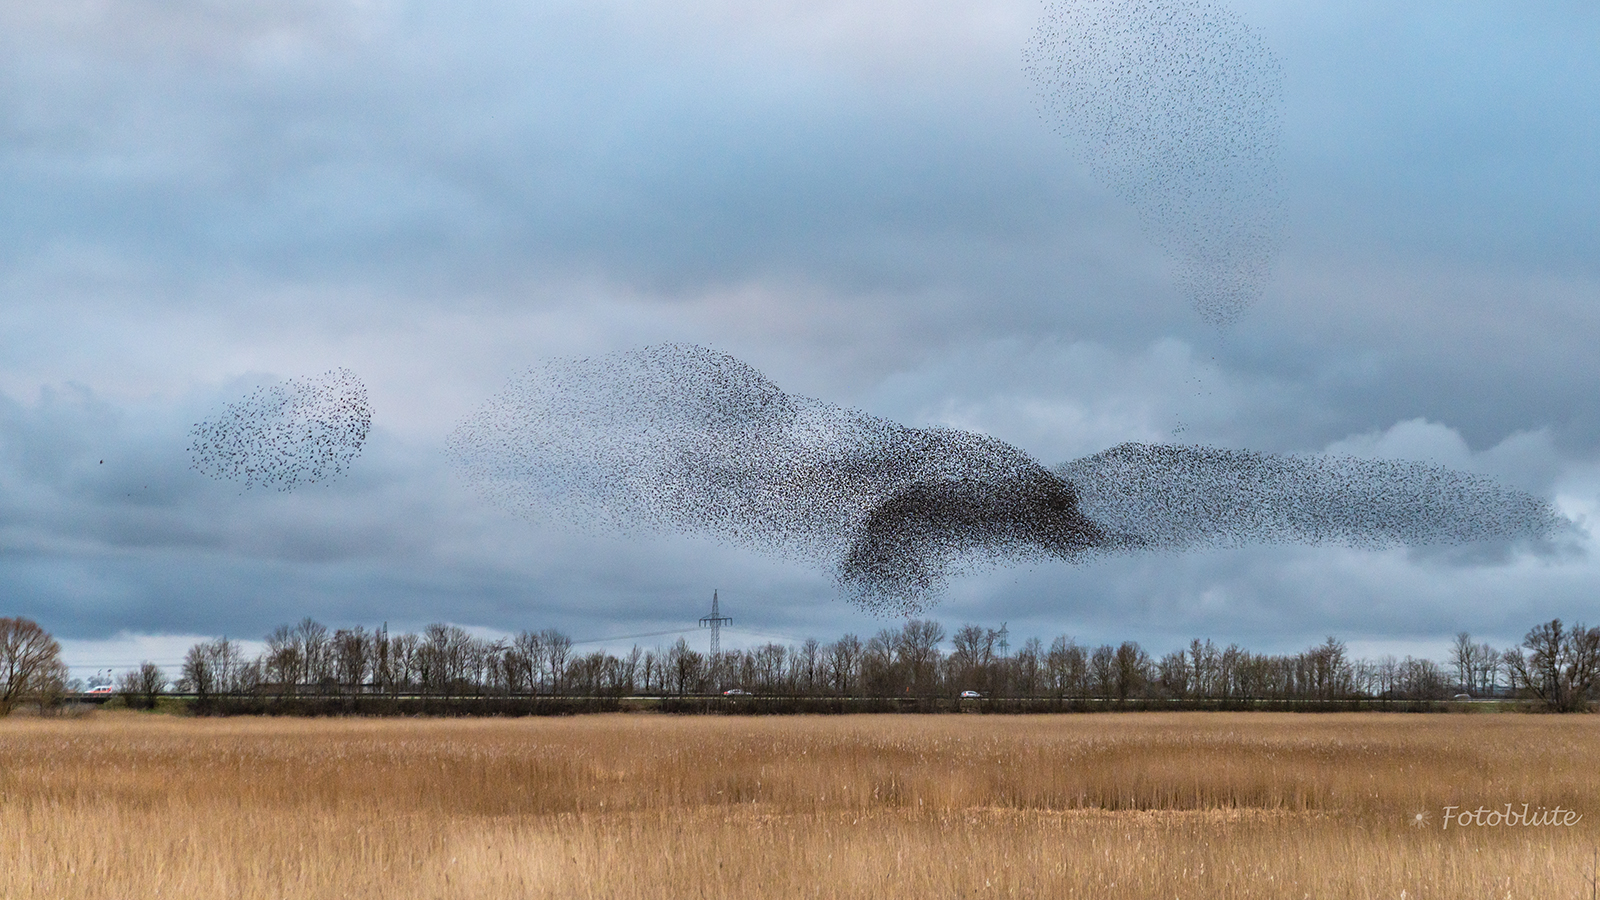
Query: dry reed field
x=128 y=805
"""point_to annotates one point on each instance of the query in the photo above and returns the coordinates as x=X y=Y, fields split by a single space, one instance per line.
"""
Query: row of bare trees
x=910 y=662
x=1555 y=665
x=441 y=659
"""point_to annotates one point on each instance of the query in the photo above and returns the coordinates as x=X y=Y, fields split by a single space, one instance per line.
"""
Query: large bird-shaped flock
x=285 y=435
x=1175 y=107
x=683 y=438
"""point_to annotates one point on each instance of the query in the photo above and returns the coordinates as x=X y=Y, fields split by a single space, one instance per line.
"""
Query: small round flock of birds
x=281 y=436
x=1175 y=105
x=683 y=438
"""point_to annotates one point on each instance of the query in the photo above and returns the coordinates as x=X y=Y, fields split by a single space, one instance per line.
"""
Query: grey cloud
x=857 y=198
x=1279 y=599
x=1451 y=131
x=428 y=154
x=492 y=142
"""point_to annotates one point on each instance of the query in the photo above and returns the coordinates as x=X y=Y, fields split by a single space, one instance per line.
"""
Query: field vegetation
x=135 y=805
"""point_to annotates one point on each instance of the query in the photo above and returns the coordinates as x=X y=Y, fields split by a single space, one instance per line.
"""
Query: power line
x=769 y=634
x=623 y=637
x=102 y=664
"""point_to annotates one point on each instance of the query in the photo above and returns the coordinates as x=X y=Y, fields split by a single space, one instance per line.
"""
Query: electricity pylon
x=715 y=621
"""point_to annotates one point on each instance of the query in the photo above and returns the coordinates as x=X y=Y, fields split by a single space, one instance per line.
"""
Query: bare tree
x=684 y=668
x=404 y=658
x=30 y=663
x=211 y=667
x=227 y=664
x=1253 y=677
x=1173 y=674
x=916 y=649
x=1030 y=666
x=586 y=675
x=485 y=658
x=878 y=675
x=1490 y=666
x=196 y=676
x=809 y=659
x=1205 y=668
x=310 y=638
x=445 y=657
x=994 y=663
x=1328 y=672
x=1464 y=660
x=972 y=649
x=249 y=676
x=1477 y=666
x=1228 y=664
x=557 y=649
x=1364 y=677
x=1132 y=669
x=1421 y=679
x=528 y=647
x=383 y=667
x=631 y=667
x=353 y=657
x=843 y=662
x=142 y=686
x=284 y=662
x=1561 y=667
x=1103 y=670
x=1068 y=665
x=152 y=681
x=768 y=660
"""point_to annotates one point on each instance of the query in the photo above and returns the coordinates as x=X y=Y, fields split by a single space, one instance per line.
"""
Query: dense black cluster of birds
x=683 y=438
x=1176 y=107
x=1179 y=497
x=284 y=435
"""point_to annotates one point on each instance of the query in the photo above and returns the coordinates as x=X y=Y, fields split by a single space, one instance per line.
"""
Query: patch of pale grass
x=1137 y=805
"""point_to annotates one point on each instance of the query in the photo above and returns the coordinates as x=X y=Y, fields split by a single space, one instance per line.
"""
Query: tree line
x=1555 y=665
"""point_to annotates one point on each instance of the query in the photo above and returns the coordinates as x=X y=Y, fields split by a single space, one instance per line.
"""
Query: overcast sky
x=860 y=199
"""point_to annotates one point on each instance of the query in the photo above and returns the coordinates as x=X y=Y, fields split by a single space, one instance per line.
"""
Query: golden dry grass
x=1153 y=805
